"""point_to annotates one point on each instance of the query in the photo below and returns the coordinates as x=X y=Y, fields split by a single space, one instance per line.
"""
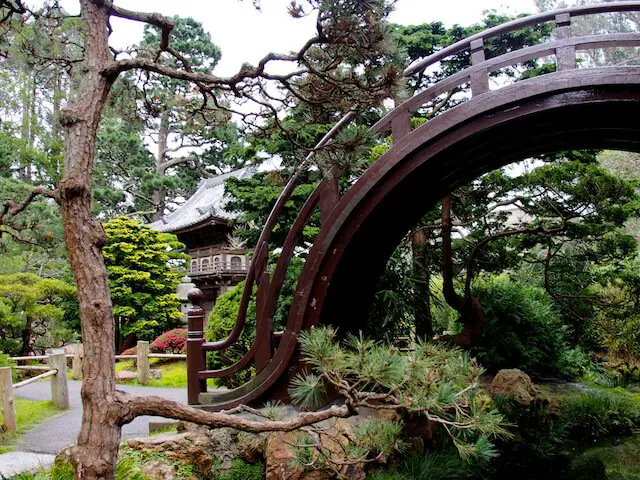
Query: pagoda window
x=194 y=265
x=204 y=264
x=236 y=263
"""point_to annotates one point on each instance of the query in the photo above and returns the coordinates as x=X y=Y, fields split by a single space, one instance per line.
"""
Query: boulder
x=335 y=434
x=155 y=373
x=515 y=384
x=251 y=448
x=157 y=470
x=192 y=448
x=126 y=376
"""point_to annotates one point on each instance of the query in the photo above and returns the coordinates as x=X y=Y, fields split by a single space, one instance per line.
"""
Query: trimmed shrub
x=522 y=330
x=173 y=341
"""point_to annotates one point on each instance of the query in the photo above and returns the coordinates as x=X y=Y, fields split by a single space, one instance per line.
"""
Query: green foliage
x=35 y=313
x=145 y=267
x=253 y=198
x=223 y=317
x=241 y=470
x=522 y=330
x=437 y=382
x=221 y=321
x=597 y=414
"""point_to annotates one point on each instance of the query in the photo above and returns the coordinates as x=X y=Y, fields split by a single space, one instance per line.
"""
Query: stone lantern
x=183 y=289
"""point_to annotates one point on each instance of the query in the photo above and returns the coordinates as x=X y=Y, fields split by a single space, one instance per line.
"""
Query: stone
x=515 y=384
x=157 y=470
x=155 y=373
x=191 y=448
x=251 y=447
x=125 y=376
x=336 y=433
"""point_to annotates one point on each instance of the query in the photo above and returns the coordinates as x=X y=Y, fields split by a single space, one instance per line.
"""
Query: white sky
x=246 y=35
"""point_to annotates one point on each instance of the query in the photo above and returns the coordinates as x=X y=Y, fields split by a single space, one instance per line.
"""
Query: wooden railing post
x=195 y=339
x=479 y=80
x=76 y=361
x=59 y=384
x=565 y=56
x=8 y=407
x=142 y=362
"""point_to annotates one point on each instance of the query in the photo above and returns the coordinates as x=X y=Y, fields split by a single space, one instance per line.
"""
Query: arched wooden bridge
x=572 y=108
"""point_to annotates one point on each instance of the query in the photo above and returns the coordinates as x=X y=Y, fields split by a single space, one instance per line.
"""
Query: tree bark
x=96 y=452
x=161 y=169
x=469 y=308
x=422 y=295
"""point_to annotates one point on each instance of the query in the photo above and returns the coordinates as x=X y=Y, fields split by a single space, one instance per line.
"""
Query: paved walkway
x=59 y=431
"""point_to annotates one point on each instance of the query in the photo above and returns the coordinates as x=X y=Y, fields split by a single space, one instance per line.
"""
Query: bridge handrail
x=517 y=24
x=517 y=56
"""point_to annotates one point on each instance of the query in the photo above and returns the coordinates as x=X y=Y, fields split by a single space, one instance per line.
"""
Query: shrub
x=522 y=330
x=221 y=321
x=596 y=414
x=223 y=318
x=173 y=341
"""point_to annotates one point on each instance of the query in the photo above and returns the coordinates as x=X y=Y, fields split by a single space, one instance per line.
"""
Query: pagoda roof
x=207 y=204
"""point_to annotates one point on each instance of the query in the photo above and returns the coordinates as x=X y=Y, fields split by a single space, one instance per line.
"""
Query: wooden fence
x=57 y=370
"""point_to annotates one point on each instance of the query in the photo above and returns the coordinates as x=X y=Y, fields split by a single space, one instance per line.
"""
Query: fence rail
x=56 y=370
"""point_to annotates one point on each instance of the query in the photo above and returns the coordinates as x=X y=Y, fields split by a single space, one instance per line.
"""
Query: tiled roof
x=208 y=202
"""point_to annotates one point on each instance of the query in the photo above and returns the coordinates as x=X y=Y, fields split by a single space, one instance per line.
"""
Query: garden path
x=59 y=431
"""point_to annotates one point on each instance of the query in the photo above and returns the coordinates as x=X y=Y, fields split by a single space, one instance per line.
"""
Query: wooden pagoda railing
x=563 y=46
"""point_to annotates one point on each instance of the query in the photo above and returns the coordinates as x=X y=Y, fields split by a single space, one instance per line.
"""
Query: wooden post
x=565 y=56
x=76 y=362
x=142 y=362
x=8 y=407
x=195 y=355
x=480 y=79
x=59 y=385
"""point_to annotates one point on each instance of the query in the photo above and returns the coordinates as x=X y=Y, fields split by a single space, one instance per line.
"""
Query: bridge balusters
x=480 y=79
x=195 y=354
x=565 y=56
x=264 y=322
x=400 y=126
x=330 y=195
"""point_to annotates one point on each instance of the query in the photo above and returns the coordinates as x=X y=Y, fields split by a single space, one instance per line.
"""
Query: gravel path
x=57 y=432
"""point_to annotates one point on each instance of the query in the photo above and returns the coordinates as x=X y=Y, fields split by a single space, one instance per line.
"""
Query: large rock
x=156 y=470
x=126 y=376
x=281 y=452
x=514 y=383
x=189 y=448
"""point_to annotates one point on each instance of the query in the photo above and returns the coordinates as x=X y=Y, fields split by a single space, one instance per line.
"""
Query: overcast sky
x=246 y=35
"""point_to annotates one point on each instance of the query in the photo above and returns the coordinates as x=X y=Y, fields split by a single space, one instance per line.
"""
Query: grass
x=29 y=413
x=174 y=373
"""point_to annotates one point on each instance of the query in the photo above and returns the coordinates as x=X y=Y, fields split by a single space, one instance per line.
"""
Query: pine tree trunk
x=96 y=452
x=163 y=140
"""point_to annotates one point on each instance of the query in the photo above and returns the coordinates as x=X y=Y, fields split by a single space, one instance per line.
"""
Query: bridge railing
x=563 y=46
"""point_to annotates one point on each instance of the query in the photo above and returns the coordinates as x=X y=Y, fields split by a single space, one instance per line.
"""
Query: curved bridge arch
x=569 y=109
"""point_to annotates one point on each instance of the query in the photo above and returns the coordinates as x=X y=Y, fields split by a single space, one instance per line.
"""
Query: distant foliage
x=145 y=267
x=597 y=414
x=522 y=330
x=35 y=313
